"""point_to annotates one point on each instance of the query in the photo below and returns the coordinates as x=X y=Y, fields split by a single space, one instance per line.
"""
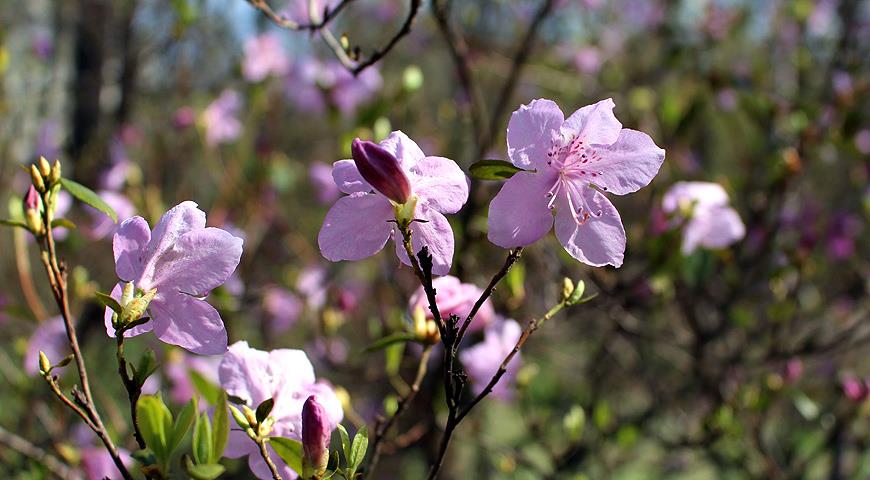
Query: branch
x=51 y=463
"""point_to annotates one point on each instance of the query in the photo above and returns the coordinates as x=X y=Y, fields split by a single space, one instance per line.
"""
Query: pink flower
x=49 y=338
x=179 y=367
x=287 y=377
x=359 y=224
x=853 y=388
x=282 y=308
x=98 y=464
x=454 y=297
x=220 y=118
x=794 y=369
x=264 y=56
x=183 y=260
x=575 y=160
x=483 y=360
x=710 y=221
x=314 y=85
x=184 y=117
x=320 y=176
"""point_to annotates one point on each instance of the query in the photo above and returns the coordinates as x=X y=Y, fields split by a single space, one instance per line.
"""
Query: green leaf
x=155 y=422
x=182 y=423
x=202 y=440
x=206 y=471
x=89 y=197
x=493 y=170
x=13 y=223
x=147 y=366
x=209 y=391
x=359 y=447
x=290 y=451
x=264 y=409
x=389 y=340
x=345 y=442
x=108 y=301
x=221 y=428
x=62 y=222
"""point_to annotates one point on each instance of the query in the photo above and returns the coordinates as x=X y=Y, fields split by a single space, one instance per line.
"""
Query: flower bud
x=44 y=364
x=315 y=438
x=135 y=308
x=36 y=178
x=381 y=169
x=44 y=167
x=31 y=211
x=54 y=176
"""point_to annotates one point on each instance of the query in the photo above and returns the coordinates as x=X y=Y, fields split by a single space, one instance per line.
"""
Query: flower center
x=575 y=161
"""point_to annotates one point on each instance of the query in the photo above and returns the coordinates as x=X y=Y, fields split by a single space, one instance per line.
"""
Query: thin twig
x=264 y=452
x=134 y=390
x=512 y=258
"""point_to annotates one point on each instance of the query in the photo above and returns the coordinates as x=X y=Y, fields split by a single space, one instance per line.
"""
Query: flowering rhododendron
x=454 y=298
x=710 y=220
x=574 y=161
x=483 y=360
x=183 y=260
x=359 y=224
x=287 y=377
x=220 y=118
x=264 y=57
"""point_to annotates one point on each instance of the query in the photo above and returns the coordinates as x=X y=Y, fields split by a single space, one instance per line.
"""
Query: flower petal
x=356 y=227
x=348 y=178
x=179 y=220
x=701 y=194
x=406 y=150
x=241 y=371
x=628 y=164
x=601 y=239
x=712 y=227
x=190 y=323
x=440 y=183
x=519 y=214
x=594 y=123
x=198 y=262
x=128 y=246
x=436 y=233
x=107 y=318
x=531 y=132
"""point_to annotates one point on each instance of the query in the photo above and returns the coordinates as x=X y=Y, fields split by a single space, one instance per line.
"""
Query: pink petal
x=531 y=132
x=190 y=323
x=440 y=183
x=128 y=243
x=241 y=373
x=348 y=178
x=601 y=239
x=595 y=123
x=405 y=149
x=198 y=262
x=519 y=214
x=436 y=234
x=697 y=193
x=239 y=444
x=356 y=227
x=628 y=164
x=179 y=220
x=712 y=227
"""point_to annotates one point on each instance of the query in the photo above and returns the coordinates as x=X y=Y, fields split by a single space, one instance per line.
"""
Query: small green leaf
x=89 y=197
x=13 y=223
x=345 y=442
x=62 y=222
x=290 y=451
x=108 y=301
x=221 y=428
x=206 y=471
x=493 y=170
x=147 y=366
x=155 y=422
x=202 y=440
x=389 y=340
x=359 y=447
x=264 y=409
x=182 y=423
x=209 y=391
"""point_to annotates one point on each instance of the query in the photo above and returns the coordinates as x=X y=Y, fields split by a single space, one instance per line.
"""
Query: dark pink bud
x=31 y=199
x=315 y=436
x=381 y=169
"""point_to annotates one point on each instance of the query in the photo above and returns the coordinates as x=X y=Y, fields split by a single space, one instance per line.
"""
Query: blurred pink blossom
x=710 y=220
x=50 y=338
x=264 y=56
x=320 y=176
x=483 y=360
x=454 y=298
x=220 y=118
x=282 y=308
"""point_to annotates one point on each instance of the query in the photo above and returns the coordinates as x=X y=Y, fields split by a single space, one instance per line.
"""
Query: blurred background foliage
x=744 y=362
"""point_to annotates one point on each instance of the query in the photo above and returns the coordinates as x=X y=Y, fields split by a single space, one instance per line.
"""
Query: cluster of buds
x=130 y=311
x=45 y=179
x=256 y=424
x=425 y=328
x=382 y=171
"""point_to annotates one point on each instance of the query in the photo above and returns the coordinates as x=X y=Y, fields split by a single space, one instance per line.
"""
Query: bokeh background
x=749 y=361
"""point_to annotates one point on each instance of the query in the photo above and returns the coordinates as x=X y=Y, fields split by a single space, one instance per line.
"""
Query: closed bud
x=315 y=438
x=381 y=169
x=136 y=308
x=250 y=415
x=239 y=418
x=44 y=167
x=37 y=180
x=567 y=287
x=44 y=364
x=54 y=177
x=31 y=211
x=127 y=293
